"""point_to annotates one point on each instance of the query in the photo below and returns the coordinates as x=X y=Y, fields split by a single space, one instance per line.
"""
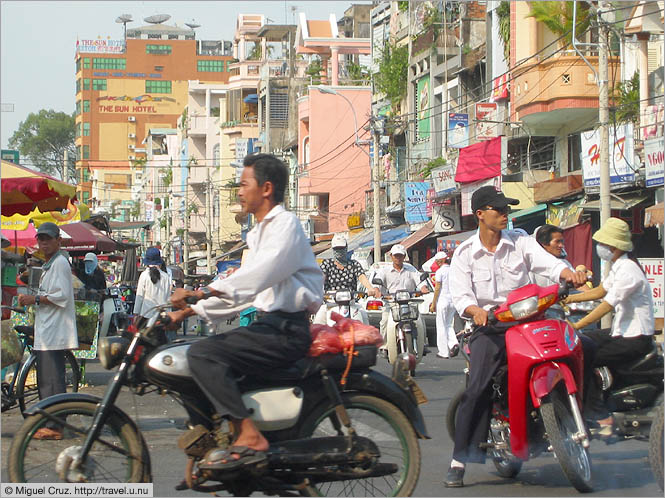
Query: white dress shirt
x=442 y=278
x=149 y=295
x=407 y=278
x=279 y=272
x=55 y=323
x=629 y=293
x=544 y=281
x=482 y=278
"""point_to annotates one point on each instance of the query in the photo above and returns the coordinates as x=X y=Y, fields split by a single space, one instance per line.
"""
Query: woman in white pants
x=446 y=340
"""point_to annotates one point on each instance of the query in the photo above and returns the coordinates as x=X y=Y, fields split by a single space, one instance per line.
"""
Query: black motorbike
x=325 y=439
x=632 y=394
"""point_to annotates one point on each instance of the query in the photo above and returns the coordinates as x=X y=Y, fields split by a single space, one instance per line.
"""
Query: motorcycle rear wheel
x=391 y=431
x=560 y=427
x=33 y=460
x=656 y=443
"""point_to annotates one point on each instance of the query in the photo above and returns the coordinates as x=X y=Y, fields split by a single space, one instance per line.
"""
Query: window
x=228 y=64
x=78 y=107
x=78 y=133
x=158 y=49
x=78 y=147
x=86 y=197
x=86 y=106
x=98 y=84
x=159 y=69
x=210 y=66
x=86 y=63
x=86 y=83
x=78 y=65
x=108 y=63
x=157 y=86
x=78 y=86
x=86 y=155
x=86 y=129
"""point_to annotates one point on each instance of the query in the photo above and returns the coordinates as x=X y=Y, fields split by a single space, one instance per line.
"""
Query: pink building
x=334 y=168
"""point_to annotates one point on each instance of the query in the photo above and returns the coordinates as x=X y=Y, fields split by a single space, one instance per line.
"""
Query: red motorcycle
x=538 y=394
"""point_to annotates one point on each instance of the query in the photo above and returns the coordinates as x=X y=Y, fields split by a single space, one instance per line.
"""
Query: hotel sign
x=100 y=46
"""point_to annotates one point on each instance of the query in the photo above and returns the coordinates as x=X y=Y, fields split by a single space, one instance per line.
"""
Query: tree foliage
x=626 y=98
x=44 y=137
x=393 y=73
x=558 y=17
x=503 y=12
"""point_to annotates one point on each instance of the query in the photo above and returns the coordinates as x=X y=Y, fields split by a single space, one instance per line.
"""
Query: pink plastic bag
x=325 y=340
x=356 y=332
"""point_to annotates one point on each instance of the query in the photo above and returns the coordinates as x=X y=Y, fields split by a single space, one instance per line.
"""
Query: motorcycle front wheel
x=388 y=428
x=561 y=429
x=118 y=455
x=656 y=443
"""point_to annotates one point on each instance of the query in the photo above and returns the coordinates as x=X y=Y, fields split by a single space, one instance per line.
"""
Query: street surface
x=619 y=470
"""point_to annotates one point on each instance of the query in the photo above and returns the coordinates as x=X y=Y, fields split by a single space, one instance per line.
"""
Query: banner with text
x=446 y=218
x=458 y=130
x=100 y=46
x=443 y=179
x=653 y=155
x=486 y=115
x=415 y=202
x=653 y=269
x=621 y=155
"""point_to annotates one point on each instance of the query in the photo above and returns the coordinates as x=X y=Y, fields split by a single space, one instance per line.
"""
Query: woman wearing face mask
x=627 y=292
x=92 y=276
x=154 y=286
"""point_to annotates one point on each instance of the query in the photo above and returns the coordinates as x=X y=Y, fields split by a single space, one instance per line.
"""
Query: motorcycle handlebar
x=191 y=300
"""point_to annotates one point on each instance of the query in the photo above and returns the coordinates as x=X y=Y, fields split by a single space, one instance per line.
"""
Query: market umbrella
x=75 y=211
x=86 y=238
x=23 y=190
x=26 y=238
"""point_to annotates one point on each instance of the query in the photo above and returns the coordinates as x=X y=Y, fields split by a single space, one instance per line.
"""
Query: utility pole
x=185 y=238
x=604 y=118
x=208 y=223
x=64 y=166
x=376 y=191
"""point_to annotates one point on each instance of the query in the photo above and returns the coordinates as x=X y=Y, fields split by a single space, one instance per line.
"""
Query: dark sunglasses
x=500 y=210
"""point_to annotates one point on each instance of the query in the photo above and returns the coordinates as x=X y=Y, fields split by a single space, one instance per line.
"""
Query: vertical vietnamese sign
x=423 y=104
x=415 y=202
x=653 y=155
x=621 y=158
x=653 y=269
x=486 y=117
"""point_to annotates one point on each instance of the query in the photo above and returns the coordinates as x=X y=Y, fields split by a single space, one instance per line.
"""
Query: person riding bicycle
x=484 y=270
x=627 y=292
x=342 y=272
x=282 y=280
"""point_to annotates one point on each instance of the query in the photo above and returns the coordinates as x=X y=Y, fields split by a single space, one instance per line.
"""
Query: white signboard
x=443 y=179
x=653 y=268
x=653 y=157
x=621 y=156
x=100 y=46
x=446 y=218
x=469 y=188
x=241 y=148
x=486 y=116
x=149 y=211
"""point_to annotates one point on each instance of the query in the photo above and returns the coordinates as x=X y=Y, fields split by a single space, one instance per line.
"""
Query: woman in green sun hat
x=627 y=292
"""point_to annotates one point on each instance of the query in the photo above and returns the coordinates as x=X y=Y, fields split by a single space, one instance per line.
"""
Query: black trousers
x=272 y=342
x=611 y=352
x=50 y=373
x=488 y=353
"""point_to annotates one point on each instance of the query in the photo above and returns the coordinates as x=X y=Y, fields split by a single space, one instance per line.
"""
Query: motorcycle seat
x=645 y=363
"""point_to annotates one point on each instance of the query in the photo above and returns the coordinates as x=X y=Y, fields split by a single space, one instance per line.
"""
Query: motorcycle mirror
x=377 y=281
x=424 y=276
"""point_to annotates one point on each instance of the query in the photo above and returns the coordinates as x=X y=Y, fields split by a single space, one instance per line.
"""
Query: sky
x=38 y=40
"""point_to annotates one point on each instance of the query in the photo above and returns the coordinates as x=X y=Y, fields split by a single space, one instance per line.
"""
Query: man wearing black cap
x=55 y=319
x=484 y=270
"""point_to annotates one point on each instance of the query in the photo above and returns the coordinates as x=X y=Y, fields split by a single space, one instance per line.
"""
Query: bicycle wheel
x=26 y=386
x=388 y=428
x=124 y=459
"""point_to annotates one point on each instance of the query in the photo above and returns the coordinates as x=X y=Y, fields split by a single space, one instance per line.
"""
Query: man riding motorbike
x=281 y=279
x=627 y=292
x=483 y=271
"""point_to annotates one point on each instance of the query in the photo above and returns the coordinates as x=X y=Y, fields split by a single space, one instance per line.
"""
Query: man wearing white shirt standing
x=484 y=270
x=442 y=305
x=282 y=280
x=55 y=319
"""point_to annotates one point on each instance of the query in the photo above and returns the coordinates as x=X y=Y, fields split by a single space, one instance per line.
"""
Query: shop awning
x=389 y=237
x=119 y=226
x=252 y=98
x=654 y=215
x=526 y=212
x=420 y=234
x=617 y=203
x=479 y=161
x=86 y=238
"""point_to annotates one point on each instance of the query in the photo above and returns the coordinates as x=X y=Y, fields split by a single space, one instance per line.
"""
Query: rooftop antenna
x=192 y=24
x=124 y=19
x=157 y=18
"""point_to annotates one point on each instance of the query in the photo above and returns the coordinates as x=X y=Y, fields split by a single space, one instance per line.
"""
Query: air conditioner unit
x=131 y=146
x=131 y=135
x=131 y=119
x=131 y=158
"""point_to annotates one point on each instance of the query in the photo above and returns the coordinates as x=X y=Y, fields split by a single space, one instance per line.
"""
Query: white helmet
x=338 y=240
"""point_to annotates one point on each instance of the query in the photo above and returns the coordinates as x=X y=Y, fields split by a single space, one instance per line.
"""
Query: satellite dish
x=193 y=24
x=125 y=18
x=157 y=18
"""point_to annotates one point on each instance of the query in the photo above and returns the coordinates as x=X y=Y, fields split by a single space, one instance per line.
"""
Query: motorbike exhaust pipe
x=581 y=435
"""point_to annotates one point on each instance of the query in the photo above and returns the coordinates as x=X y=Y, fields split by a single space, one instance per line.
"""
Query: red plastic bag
x=356 y=332
x=325 y=340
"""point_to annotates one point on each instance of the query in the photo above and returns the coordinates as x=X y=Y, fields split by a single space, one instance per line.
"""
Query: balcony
x=200 y=126
x=560 y=89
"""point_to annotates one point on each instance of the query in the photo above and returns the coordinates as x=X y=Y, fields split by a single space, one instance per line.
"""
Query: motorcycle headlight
x=111 y=351
x=404 y=311
x=524 y=308
x=113 y=291
x=415 y=312
x=343 y=296
x=402 y=296
x=394 y=309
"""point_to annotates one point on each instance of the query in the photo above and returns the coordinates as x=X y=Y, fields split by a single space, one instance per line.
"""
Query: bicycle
x=22 y=388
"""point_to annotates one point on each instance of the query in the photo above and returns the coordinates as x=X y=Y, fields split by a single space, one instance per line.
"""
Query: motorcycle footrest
x=320 y=451
x=494 y=446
